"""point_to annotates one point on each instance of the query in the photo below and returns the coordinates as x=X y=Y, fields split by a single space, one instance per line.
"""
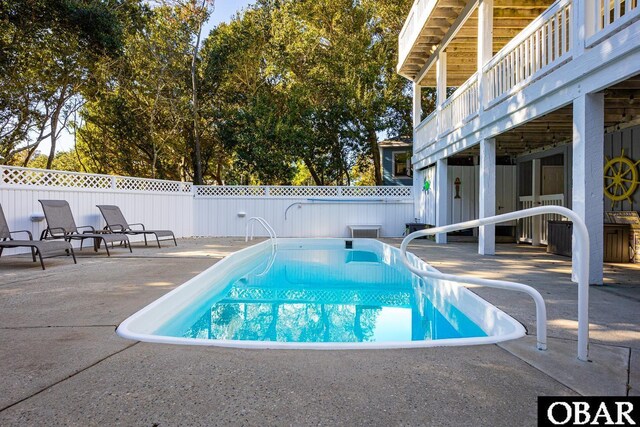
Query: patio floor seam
x=538 y=369
x=67 y=378
x=14 y=328
x=620 y=295
x=629 y=372
x=28 y=279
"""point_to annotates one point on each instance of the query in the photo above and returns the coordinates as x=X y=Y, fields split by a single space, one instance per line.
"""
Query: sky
x=223 y=12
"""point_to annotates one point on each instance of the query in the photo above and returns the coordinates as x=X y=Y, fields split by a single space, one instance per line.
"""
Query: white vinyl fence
x=208 y=211
x=158 y=204
x=302 y=211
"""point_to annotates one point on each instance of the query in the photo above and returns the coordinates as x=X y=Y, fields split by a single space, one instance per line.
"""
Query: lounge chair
x=116 y=223
x=38 y=247
x=61 y=225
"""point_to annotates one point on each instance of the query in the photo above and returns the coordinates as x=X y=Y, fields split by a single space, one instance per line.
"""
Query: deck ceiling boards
x=510 y=17
x=621 y=105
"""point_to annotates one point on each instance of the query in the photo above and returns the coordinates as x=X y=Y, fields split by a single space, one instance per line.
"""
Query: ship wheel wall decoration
x=620 y=179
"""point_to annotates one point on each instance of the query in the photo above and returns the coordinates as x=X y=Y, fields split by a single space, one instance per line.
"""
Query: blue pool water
x=321 y=296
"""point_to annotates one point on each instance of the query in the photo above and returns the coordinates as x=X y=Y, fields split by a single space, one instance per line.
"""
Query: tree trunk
x=347 y=174
x=75 y=142
x=55 y=117
x=154 y=161
x=375 y=154
x=312 y=171
x=54 y=128
x=194 y=86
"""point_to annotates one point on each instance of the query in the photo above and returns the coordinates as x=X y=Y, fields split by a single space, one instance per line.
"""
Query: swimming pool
x=319 y=294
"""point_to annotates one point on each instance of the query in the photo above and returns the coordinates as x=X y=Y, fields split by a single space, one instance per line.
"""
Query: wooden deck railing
x=426 y=132
x=609 y=16
x=542 y=46
x=460 y=106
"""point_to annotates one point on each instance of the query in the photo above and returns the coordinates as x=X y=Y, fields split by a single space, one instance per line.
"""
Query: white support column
x=588 y=169
x=418 y=194
x=417 y=175
x=487 y=235
x=536 y=221
x=441 y=86
x=442 y=198
x=417 y=105
x=442 y=190
x=485 y=46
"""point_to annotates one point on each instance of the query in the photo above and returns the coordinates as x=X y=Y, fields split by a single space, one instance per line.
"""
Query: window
x=401 y=164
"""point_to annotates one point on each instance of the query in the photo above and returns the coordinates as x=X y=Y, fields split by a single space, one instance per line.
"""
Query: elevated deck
x=573 y=47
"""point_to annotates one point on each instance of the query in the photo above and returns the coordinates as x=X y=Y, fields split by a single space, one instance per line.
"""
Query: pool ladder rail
x=580 y=269
x=272 y=237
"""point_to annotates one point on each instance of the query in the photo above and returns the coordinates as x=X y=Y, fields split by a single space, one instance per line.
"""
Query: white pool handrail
x=251 y=221
x=580 y=269
x=272 y=237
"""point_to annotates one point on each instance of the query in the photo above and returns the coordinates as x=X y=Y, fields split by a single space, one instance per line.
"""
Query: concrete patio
x=62 y=363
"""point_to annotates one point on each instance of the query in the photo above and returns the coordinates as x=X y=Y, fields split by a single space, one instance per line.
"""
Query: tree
x=47 y=53
x=242 y=110
x=139 y=119
x=200 y=16
x=286 y=90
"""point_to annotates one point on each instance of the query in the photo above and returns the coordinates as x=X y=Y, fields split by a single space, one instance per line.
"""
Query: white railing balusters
x=530 y=54
x=426 y=133
x=526 y=224
x=610 y=16
x=460 y=106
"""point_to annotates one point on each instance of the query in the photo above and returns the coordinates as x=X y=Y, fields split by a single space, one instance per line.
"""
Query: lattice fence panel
x=151 y=185
x=230 y=191
x=49 y=178
x=303 y=191
x=376 y=191
x=16 y=176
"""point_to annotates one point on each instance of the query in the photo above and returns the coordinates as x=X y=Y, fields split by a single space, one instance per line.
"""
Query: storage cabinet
x=616 y=240
x=559 y=237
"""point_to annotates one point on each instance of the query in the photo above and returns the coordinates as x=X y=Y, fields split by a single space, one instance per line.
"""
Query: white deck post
x=441 y=87
x=417 y=105
x=442 y=198
x=487 y=234
x=485 y=46
x=417 y=175
x=536 y=221
x=418 y=194
x=583 y=25
x=588 y=169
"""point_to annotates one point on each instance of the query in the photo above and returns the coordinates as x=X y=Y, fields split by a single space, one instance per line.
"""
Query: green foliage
x=290 y=91
x=48 y=52
x=64 y=161
x=308 y=82
x=137 y=122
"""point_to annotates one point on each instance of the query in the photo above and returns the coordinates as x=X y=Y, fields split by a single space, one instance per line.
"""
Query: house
x=395 y=156
x=546 y=111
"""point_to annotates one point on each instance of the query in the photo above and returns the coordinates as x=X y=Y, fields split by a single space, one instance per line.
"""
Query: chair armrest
x=53 y=231
x=93 y=230
x=138 y=223
x=115 y=228
x=23 y=231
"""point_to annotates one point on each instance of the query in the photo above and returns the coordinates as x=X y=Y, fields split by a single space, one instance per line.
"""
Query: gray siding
x=387 y=167
x=629 y=140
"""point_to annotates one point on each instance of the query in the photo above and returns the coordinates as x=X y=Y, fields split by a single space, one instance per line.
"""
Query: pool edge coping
x=124 y=331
